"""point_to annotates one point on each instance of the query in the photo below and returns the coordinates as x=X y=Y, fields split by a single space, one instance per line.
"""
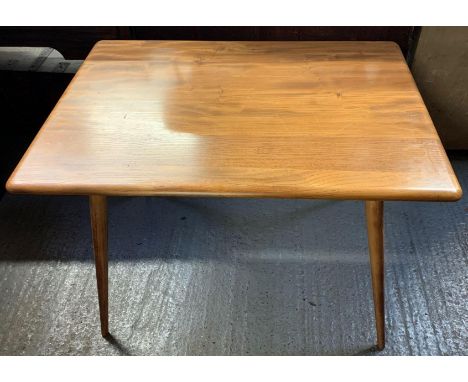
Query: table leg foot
x=98 y=211
x=374 y=217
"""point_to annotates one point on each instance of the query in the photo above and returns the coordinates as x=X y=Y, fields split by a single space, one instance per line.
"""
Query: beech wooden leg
x=374 y=216
x=98 y=210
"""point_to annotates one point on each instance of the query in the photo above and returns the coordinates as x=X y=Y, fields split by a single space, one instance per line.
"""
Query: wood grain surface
x=338 y=120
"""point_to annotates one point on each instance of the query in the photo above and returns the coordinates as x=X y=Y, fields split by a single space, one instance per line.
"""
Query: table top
x=337 y=120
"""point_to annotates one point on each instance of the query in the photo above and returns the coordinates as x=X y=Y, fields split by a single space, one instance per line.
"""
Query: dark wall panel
x=26 y=99
x=76 y=42
x=401 y=35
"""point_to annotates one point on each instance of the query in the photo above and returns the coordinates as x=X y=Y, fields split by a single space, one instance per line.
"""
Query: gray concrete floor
x=224 y=276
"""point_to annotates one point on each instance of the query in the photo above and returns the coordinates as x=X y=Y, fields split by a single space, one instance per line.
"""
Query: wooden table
x=333 y=120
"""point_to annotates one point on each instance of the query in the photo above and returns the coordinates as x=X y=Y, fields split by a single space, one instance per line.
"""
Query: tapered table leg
x=374 y=216
x=98 y=210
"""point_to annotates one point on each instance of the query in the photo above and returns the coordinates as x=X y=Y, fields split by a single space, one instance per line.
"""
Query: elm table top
x=338 y=120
